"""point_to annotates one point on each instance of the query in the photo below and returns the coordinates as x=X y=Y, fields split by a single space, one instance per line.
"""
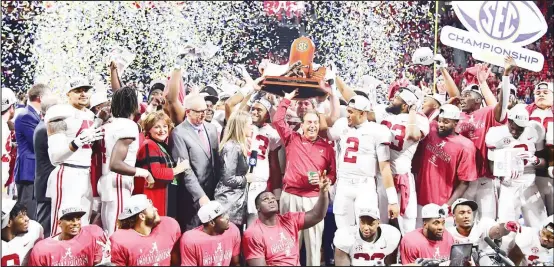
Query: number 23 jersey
x=364 y=253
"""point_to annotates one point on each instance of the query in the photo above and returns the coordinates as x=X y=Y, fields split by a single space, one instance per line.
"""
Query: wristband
x=74 y=145
x=392 y=196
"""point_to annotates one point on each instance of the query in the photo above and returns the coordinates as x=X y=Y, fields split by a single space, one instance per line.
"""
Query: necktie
x=204 y=140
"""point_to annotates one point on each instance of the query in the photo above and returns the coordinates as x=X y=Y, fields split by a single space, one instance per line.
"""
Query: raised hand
x=483 y=73
x=509 y=65
x=324 y=182
x=292 y=94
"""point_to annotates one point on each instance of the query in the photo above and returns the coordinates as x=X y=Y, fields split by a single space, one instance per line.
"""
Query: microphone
x=500 y=253
x=253 y=160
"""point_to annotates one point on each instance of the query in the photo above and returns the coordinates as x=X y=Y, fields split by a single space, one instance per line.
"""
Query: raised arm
x=279 y=121
x=344 y=89
x=501 y=108
x=114 y=77
x=449 y=83
x=483 y=74
x=175 y=107
x=318 y=212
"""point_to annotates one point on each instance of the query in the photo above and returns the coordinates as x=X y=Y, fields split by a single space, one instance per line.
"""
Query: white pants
x=484 y=191
x=312 y=236
x=407 y=222
x=114 y=189
x=352 y=194
x=546 y=188
x=68 y=186
x=521 y=199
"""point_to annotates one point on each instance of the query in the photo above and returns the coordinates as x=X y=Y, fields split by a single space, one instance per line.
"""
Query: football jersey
x=479 y=231
x=265 y=139
x=79 y=121
x=84 y=249
x=544 y=117
x=120 y=128
x=16 y=251
x=529 y=243
x=363 y=253
x=500 y=138
x=129 y=248
x=402 y=150
x=6 y=148
x=357 y=148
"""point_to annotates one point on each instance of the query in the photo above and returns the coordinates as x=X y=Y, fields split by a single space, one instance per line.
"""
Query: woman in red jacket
x=154 y=156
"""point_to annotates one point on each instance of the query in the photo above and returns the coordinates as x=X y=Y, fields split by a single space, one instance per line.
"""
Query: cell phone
x=460 y=254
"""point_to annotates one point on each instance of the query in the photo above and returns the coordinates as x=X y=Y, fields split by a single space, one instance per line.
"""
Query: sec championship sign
x=496 y=29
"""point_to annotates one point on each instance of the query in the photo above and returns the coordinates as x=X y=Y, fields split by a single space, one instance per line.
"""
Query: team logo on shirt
x=438 y=151
x=441 y=144
x=154 y=256
x=218 y=256
x=284 y=244
x=68 y=259
x=535 y=250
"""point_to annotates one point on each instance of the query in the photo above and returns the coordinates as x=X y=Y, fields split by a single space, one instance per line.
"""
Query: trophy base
x=307 y=88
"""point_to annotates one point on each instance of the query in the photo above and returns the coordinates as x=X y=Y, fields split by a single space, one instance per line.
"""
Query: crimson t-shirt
x=82 y=250
x=201 y=249
x=277 y=244
x=475 y=126
x=415 y=245
x=443 y=161
x=129 y=248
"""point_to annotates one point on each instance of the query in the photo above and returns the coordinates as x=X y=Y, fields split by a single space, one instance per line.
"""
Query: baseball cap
x=369 y=211
x=7 y=206
x=449 y=111
x=56 y=112
x=209 y=94
x=77 y=83
x=264 y=102
x=71 y=210
x=473 y=88
x=359 y=102
x=548 y=224
x=423 y=56
x=409 y=95
x=134 y=205
x=432 y=210
x=210 y=211
x=8 y=98
x=98 y=98
x=519 y=115
x=462 y=201
x=548 y=86
x=440 y=98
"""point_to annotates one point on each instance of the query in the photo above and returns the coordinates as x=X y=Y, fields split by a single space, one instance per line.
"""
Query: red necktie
x=204 y=140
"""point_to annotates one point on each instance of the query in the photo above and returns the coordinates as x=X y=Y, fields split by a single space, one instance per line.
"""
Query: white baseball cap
x=67 y=210
x=548 y=224
x=77 y=83
x=423 y=56
x=473 y=88
x=462 y=201
x=8 y=98
x=409 y=94
x=360 y=103
x=449 y=111
x=549 y=85
x=432 y=211
x=98 y=98
x=264 y=102
x=210 y=211
x=369 y=211
x=7 y=206
x=56 y=112
x=134 y=205
x=519 y=115
x=440 y=98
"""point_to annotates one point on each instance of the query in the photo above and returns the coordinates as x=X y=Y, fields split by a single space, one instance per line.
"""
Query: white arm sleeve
x=337 y=129
x=505 y=97
x=58 y=148
x=383 y=138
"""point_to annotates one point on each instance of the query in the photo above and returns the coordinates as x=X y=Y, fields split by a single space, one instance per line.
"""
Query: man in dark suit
x=196 y=141
x=43 y=166
x=25 y=124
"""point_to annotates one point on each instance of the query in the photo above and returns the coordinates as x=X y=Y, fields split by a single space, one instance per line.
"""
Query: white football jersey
x=550 y=134
x=363 y=253
x=16 y=252
x=121 y=128
x=357 y=148
x=499 y=137
x=529 y=243
x=479 y=231
x=402 y=150
x=79 y=121
x=265 y=139
x=545 y=118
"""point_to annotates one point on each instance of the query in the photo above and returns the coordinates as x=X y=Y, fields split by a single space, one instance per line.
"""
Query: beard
x=433 y=236
x=151 y=222
x=393 y=109
x=446 y=132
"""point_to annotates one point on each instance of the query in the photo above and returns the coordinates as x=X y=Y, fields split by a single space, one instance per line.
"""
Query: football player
x=534 y=245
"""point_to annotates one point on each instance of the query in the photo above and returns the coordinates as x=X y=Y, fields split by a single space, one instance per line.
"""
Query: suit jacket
x=186 y=144
x=25 y=124
x=43 y=166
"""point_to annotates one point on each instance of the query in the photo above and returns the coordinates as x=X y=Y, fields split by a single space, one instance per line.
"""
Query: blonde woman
x=231 y=188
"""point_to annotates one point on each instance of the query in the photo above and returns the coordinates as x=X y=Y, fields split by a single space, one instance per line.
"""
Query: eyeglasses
x=200 y=111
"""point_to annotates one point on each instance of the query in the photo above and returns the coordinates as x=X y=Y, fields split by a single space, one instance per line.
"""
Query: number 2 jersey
x=363 y=253
x=16 y=251
x=357 y=148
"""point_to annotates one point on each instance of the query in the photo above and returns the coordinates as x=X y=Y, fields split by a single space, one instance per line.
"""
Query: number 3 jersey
x=358 y=152
x=402 y=150
x=265 y=139
x=16 y=251
x=364 y=253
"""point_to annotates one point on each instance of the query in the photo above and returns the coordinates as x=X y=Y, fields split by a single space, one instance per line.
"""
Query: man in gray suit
x=43 y=166
x=196 y=141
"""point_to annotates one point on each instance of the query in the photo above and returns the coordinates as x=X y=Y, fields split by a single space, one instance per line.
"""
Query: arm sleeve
x=422 y=124
x=146 y=157
x=334 y=132
x=383 y=140
x=230 y=156
x=279 y=121
x=466 y=170
x=35 y=257
x=274 y=140
x=26 y=126
x=188 y=252
x=119 y=254
x=332 y=168
x=236 y=241
x=58 y=148
x=179 y=150
x=408 y=254
x=253 y=246
x=343 y=240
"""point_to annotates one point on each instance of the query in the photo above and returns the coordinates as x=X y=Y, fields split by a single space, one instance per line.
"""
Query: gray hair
x=48 y=102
